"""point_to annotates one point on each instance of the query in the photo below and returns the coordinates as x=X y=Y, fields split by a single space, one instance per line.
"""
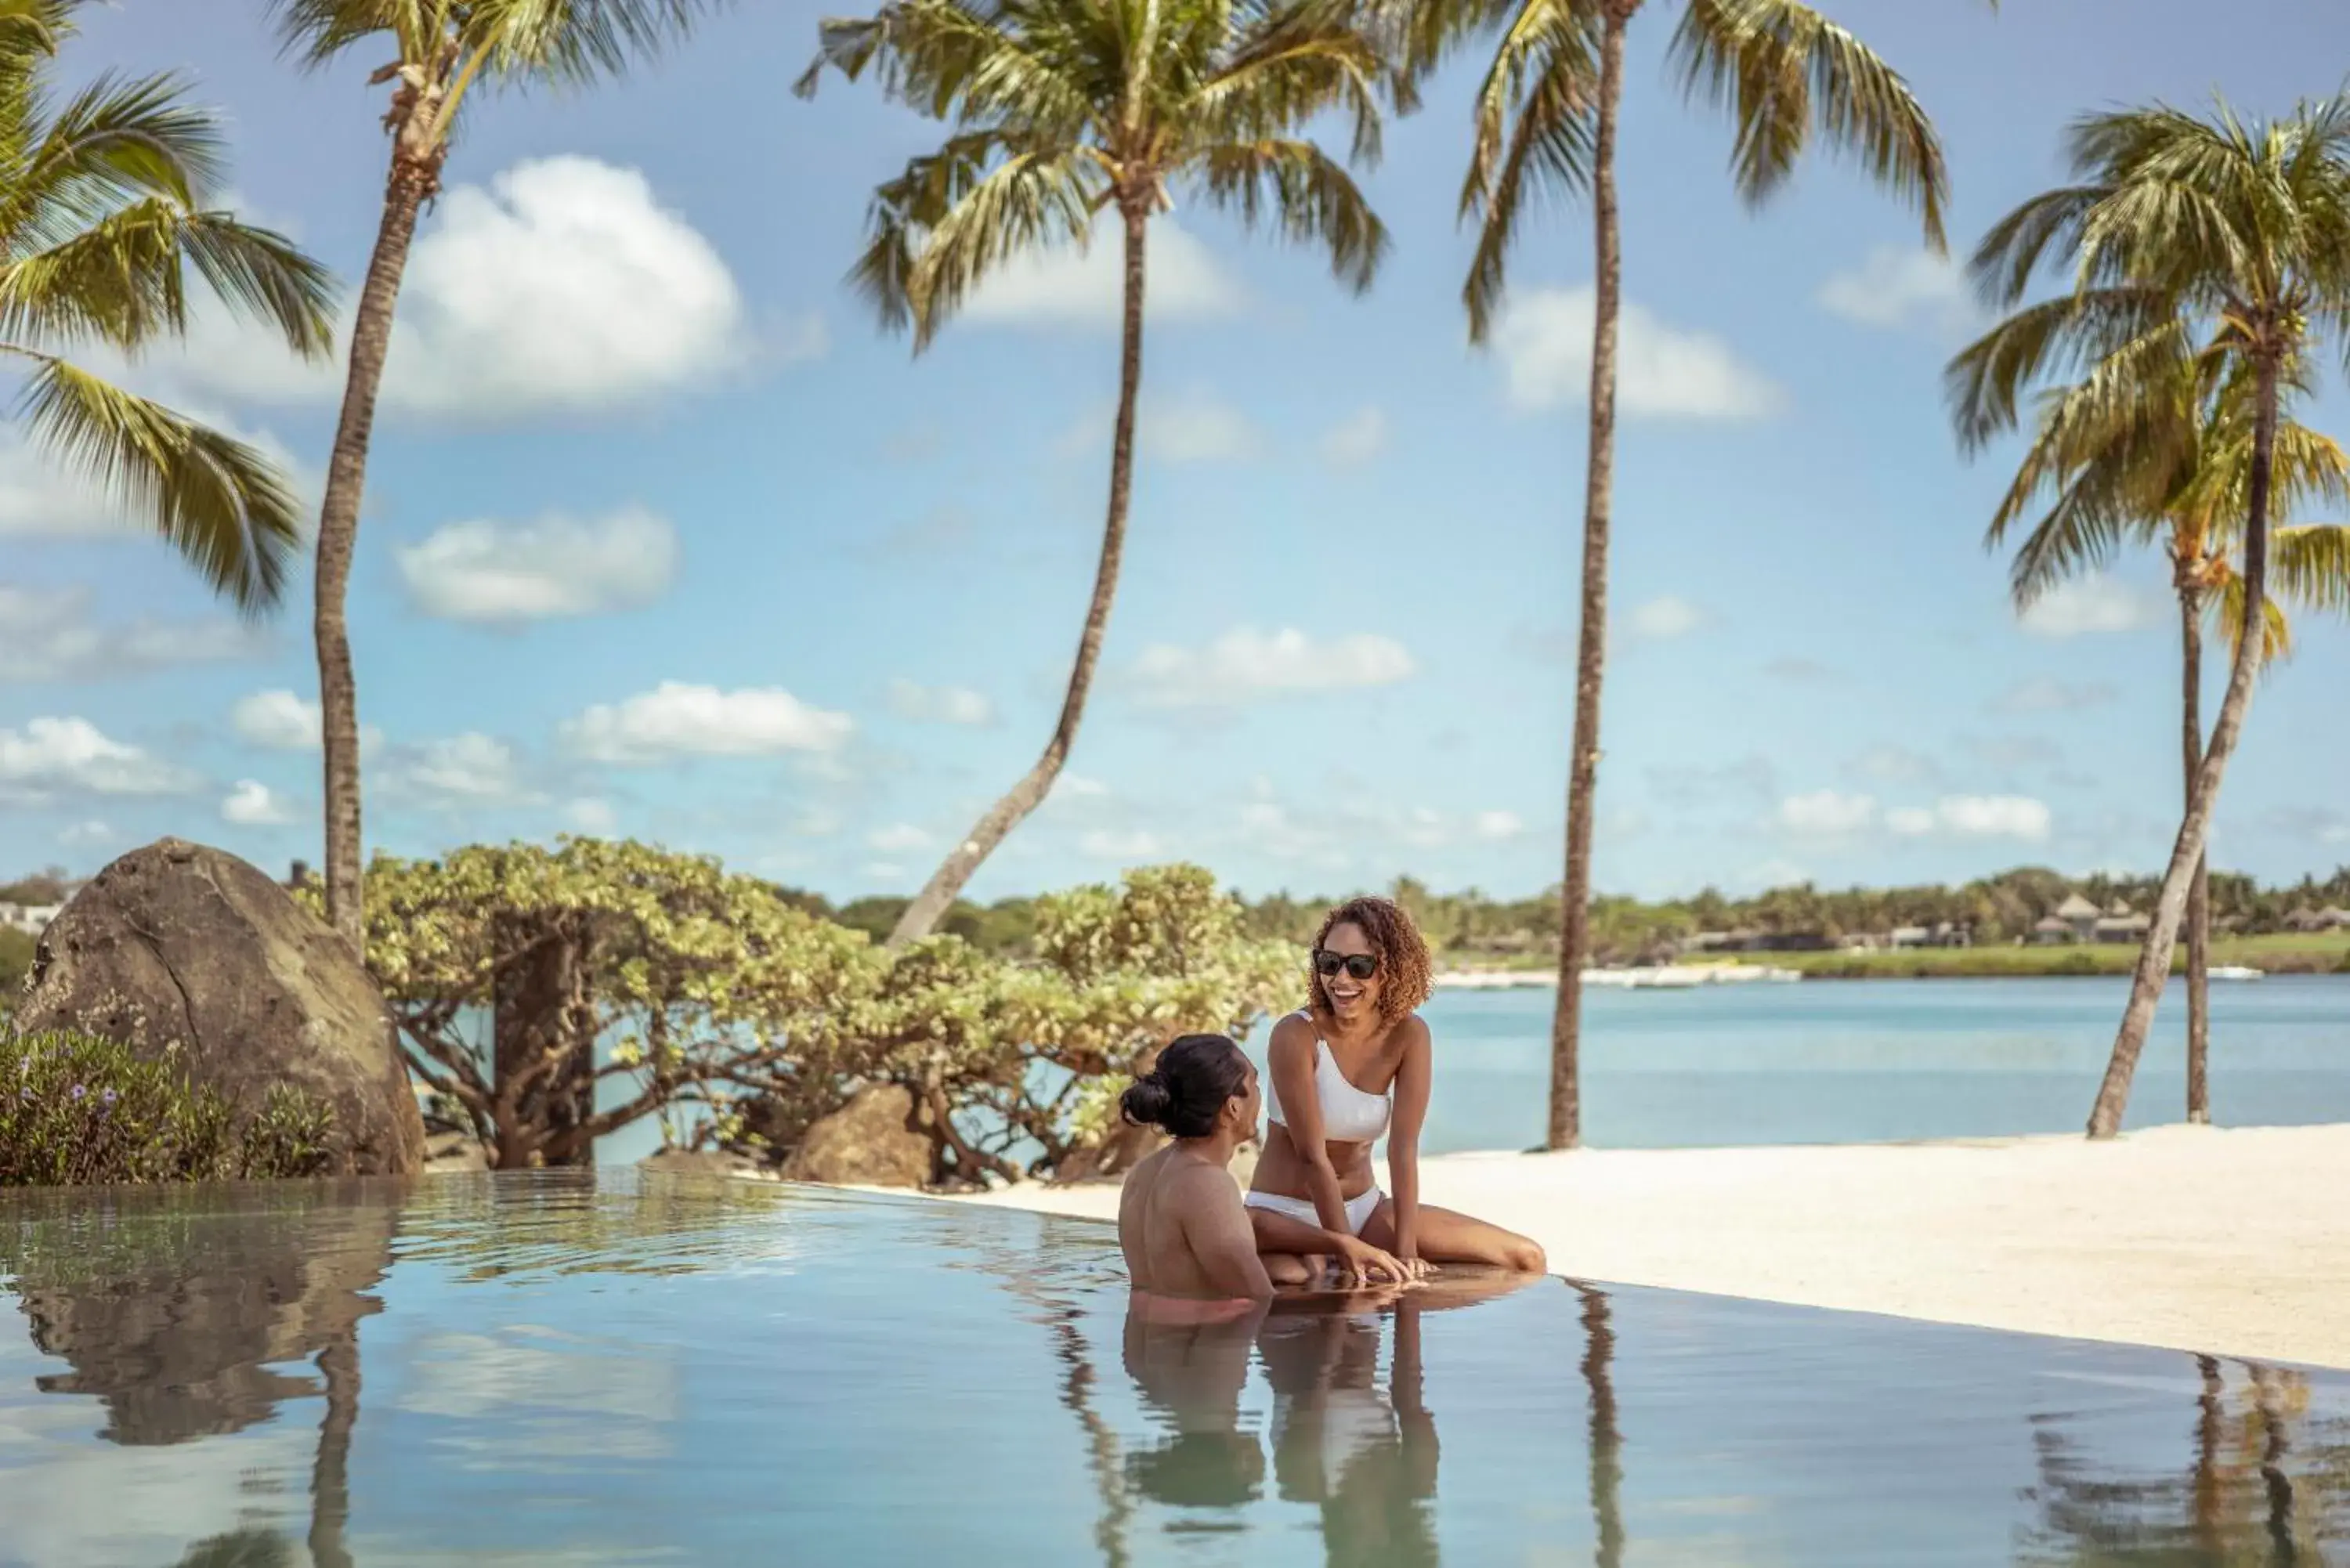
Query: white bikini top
x=1349 y=1114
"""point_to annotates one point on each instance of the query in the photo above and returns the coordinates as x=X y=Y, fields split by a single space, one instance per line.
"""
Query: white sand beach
x=2233 y=1242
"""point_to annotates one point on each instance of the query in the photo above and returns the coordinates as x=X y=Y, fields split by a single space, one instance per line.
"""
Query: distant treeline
x=2001 y=909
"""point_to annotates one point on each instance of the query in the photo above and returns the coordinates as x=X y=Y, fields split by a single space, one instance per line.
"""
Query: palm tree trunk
x=947 y=882
x=1583 y=767
x=330 y=1483
x=2199 y=893
x=411 y=182
x=2187 y=853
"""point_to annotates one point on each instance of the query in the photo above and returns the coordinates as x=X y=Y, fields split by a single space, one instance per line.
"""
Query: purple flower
x=109 y=1096
x=78 y=1092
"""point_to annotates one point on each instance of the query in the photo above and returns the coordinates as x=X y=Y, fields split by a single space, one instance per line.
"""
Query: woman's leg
x=1286 y=1245
x=1446 y=1237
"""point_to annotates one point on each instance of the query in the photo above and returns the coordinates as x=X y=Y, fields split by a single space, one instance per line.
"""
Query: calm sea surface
x=1873 y=1061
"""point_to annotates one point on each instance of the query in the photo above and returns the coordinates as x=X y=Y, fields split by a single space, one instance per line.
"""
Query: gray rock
x=877 y=1139
x=178 y=947
x=455 y=1151
x=708 y=1162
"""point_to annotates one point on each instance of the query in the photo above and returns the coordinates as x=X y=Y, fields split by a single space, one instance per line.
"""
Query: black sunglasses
x=1362 y=966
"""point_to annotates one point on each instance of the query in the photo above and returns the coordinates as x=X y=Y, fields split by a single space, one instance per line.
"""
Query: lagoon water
x=611 y=1368
x=1875 y=1061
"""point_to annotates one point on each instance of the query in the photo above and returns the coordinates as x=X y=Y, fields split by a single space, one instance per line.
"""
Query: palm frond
x=1986 y=382
x=2309 y=564
x=118 y=140
x=2223 y=608
x=951 y=219
x=261 y=274
x=565 y=42
x=1787 y=73
x=1298 y=63
x=220 y=503
x=1307 y=193
x=946 y=61
x=1534 y=135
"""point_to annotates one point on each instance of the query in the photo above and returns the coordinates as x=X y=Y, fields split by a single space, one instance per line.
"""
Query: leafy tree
x=2216 y=239
x=695 y=982
x=106 y=206
x=1545 y=126
x=1063 y=110
x=2153 y=450
x=440 y=51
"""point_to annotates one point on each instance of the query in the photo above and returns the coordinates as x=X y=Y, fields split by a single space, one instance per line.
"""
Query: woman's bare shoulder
x=1290 y=1035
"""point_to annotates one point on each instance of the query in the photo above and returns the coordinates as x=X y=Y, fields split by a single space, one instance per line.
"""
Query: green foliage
x=108 y=205
x=78 y=1109
x=17 y=952
x=700 y=981
x=1063 y=108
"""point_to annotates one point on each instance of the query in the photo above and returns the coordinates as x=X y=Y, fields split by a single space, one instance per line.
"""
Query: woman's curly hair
x=1406 y=972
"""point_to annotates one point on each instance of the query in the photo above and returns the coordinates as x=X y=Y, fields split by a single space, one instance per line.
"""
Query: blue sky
x=664 y=538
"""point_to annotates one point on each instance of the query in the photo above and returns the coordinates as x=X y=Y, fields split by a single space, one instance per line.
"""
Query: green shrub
x=78 y=1109
x=16 y=963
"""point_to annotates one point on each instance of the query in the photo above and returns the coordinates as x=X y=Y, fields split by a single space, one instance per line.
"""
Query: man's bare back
x=1184 y=1232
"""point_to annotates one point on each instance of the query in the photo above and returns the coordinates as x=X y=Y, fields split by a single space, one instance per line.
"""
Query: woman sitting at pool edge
x=1355 y=1064
x=1180 y=1219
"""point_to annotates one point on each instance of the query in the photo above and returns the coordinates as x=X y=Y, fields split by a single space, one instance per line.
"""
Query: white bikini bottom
x=1359 y=1208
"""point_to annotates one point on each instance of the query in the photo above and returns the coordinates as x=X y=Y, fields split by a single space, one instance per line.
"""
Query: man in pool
x=1180 y=1222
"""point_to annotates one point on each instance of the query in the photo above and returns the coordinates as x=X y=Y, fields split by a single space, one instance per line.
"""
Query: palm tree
x=104 y=212
x=1061 y=109
x=439 y=49
x=1546 y=126
x=2166 y=458
x=2217 y=239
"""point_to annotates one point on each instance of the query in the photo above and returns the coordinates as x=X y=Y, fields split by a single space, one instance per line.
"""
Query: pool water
x=612 y=1368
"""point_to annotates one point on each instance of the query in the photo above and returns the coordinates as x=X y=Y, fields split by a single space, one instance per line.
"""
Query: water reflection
x=180 y=1314
x=2269 y=1483
x=1360 y=1449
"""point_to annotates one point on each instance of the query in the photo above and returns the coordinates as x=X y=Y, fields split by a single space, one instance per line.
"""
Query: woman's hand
x=1366 y=1264
x=1416 y=1268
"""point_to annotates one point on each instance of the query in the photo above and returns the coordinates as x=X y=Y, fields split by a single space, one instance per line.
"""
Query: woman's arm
x=1292 y=1053
x=1411 y=1088
x=1363 y=1262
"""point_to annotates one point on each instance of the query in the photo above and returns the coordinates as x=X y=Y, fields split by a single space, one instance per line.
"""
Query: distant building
x=2053 y=930
x=2309 y=920
x=2080 y=919
x=30 y=919
x=2122 y=924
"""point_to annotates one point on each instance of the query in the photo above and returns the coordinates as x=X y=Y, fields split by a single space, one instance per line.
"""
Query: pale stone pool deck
x=2234 y=1242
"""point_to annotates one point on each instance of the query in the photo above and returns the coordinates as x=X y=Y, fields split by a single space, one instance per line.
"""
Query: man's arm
x=1216 y=1228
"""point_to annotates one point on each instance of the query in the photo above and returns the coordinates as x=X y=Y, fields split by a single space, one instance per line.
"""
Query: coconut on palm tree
x=1545 y=126
x=2216 y=238
x=107 y=205
x=2155 y=450
x=434 y=53
x=1059 y=111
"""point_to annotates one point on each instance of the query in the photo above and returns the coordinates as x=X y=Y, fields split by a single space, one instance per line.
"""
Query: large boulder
x=878 y=1139
x=179 y=946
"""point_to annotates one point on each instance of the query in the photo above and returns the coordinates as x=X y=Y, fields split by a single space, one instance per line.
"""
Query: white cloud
x=53 y=757
x=677 y=719
x=280 y=720
x=1069 y=287
x=1195 y=428
x=1663 y=618
x=897 y=839
x=1131 y=845
x=592 y=816
x=1498 y=824
x=1826 y=814
x=1357 y=439
x=465 y=770
x=2046 y=694
x=81 y=834
x=939 y=705
x=564 y=285
x=1661 y=370
x=252 y=804
x=1895 y=287
x=2088 y=605
x=497 y=573
x=1975 y=816
x=47 y=634
x=1245 y=664
x=1896 y=766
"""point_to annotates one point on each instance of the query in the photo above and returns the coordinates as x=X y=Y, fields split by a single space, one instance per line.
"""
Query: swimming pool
x=612 y=1368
